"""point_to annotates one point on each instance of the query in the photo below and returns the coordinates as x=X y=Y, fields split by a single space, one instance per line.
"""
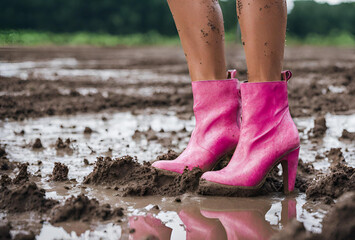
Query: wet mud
x=81 y=208
x=339 y=223
x=152 y=84
x=329 y=186
x=24 y=197
x=130 y=178
x=60 y=172
x=5 y=164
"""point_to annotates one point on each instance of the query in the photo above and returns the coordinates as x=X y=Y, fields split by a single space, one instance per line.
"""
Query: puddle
x=194 y=215
x=67 y=68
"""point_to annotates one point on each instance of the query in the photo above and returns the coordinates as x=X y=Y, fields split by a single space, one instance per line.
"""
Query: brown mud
x=131 y=178
x=323 y=84
x=25 y=197
x=329 y=186
x=5 y=164
x=84 y=209
x=60 y=172
x=339 y=223
x=21 y=195
x=306 y=97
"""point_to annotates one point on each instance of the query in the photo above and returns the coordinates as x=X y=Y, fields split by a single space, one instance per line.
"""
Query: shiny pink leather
x=217 y=112
x=268 y=135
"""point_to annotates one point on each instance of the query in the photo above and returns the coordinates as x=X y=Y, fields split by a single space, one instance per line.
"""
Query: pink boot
x=268 y=137
x=217 y=113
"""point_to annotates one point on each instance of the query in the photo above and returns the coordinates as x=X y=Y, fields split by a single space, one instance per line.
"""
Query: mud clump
x=150 y=135
x=5 y=180
x=24 y=236
x=5 y=231
x=305 y=173
x=134 y=179
x=346 y=135
x=339 y=223
x=88 y=130
x=319 y=129
x=23 y=175
x=60 y=172
x=339 y=180
x=170 y=155
x=60 y=144
x=27 y=197
x=5 y=164
x=335 y=155
x=65 y=146
x=84 y=209
x=294 y=230
x=37 y=144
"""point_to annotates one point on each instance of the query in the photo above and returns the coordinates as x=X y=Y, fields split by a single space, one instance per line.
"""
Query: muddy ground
x=80 y=127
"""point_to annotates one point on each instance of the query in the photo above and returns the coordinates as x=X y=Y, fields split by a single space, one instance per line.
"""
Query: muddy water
x=73 y=81
x=115 y=135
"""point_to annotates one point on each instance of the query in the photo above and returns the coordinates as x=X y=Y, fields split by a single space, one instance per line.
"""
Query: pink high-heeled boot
x=268 y=137
x=217 y=112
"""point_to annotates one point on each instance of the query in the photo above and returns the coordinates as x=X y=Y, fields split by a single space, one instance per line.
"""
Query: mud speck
x=60 y=172
x=346 y=135
x=335 y=155
x=64 y=145
x=88 y=130
x=37 y=144
x=84 y=209
x=319 y=129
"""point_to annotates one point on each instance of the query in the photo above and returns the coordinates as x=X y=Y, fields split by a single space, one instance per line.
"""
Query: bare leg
x=263 y=27
x=200 y=27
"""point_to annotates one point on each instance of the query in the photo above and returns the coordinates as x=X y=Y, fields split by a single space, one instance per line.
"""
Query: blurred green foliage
x=30 y=37
x=137 y=22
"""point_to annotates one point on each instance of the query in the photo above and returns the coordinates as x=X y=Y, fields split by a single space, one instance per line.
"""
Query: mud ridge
x=131 y=178
x=23 y=198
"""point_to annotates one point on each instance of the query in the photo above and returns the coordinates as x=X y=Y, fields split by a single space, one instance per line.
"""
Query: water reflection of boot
x=241 y=218
x=148 y=227
x=289 y=211
x=200 y=228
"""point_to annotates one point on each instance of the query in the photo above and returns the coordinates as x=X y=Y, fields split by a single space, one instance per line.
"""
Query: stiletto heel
x=289 y=170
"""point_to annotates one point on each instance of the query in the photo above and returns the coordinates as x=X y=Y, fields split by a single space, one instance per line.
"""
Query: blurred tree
x=137 y=16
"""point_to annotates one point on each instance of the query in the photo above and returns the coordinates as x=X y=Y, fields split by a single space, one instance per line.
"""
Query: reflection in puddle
x=219 y=218
x=67 y=68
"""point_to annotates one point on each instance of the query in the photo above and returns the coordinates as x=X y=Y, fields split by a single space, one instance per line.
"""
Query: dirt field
x=79 y=127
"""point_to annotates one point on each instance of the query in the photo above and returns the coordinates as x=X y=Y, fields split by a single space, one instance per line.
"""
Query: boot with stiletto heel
x=268 y=137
